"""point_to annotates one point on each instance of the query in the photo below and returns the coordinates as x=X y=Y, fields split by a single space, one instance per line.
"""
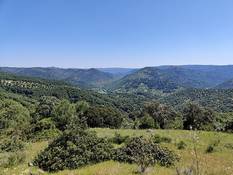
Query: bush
x=12 y=159
x=146 y=122
x=198 y=117
x=44 y=129
x=144 y=152
x=210 y=148
x=12 y=144
x=72 y=150
x=103 y=117
x=158 y=139
x=63 y=114
x=181 y=145
x=46 y=135
x=229 y=146
x=119 y=139
x=13 y=117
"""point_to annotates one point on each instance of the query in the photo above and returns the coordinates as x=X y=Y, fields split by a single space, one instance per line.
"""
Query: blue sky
x=115 y=33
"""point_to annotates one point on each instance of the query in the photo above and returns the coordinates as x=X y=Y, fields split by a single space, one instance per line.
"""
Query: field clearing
x=220 y=162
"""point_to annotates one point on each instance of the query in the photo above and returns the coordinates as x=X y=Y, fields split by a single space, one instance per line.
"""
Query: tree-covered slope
x=170 y=78
x=217 y=99
x=81 y=77
x=226 y=85
x=165 y=79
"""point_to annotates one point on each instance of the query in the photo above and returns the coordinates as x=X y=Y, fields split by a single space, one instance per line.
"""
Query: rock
x=30 y=164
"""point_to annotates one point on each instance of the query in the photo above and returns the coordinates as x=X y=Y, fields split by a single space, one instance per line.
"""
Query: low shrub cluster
x=118 y=139
x=72 y=150
x=12 y=159
x=181 y=145
x=12 y=144
x=229 y=146
x=145 y=152
x=159 y=139
x=212 y=146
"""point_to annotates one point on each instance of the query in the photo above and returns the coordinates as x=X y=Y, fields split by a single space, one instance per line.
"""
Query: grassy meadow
x=218 y=162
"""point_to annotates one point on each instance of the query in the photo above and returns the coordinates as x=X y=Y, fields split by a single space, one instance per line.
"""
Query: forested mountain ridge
x=35 y=88
x=226 y=85
x=168 y=79
x=162 y=78
x=217 y=99
x=82 y=77
x=171 y=78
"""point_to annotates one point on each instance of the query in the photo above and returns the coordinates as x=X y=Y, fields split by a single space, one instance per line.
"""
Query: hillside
x=162 y=78
x=43 y=117
x=165 y=79
x=217 y=99
x=34 y=88
x=119 y=72
x=81 y=77
x=225 y=85
x=171 y=78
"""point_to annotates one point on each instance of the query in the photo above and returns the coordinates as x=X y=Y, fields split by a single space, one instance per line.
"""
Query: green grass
x=220 y=162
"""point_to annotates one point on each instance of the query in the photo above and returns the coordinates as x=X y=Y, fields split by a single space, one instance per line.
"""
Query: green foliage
x=12 y=159
x=119 y=139
x=159 y=139
x=181 y=145
x=145 y=152
x=45 y=107
x=13 y=116
x=43 y=129
x=12 y=144
x=103 y=116
x=163 y=115
x=63 y=114
x=146 y=122
x=72 y=150
x=219 y=100
x=210 y=148
x=198 y=117
x=229 y=146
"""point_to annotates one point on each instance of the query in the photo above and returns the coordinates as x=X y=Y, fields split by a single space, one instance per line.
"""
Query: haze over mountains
x=163 y=78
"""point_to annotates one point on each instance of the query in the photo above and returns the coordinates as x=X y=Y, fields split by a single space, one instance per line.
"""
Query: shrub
x=46 y=134
x=146 y=122
x=119 y=139
x=158 y=139
x=210 y=148
x=44 y=129
x=72 y=150
x=13 y=116
x=144 y=152
x=198 y=117
x=103 y=116
x=63 y=114
x=181 y=145
x=164 y=116
x=229 y=146
x=12 y=144
x=12 y=159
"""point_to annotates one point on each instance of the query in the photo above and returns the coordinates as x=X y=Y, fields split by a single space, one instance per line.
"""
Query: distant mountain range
x=226 y=85
x=163 y=78
x=82 y=77
x=170 y=78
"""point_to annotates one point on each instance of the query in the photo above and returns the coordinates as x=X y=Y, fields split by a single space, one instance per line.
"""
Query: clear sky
x=115 y=33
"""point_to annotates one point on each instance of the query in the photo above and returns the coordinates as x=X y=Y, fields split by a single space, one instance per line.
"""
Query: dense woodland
x=33 y=109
